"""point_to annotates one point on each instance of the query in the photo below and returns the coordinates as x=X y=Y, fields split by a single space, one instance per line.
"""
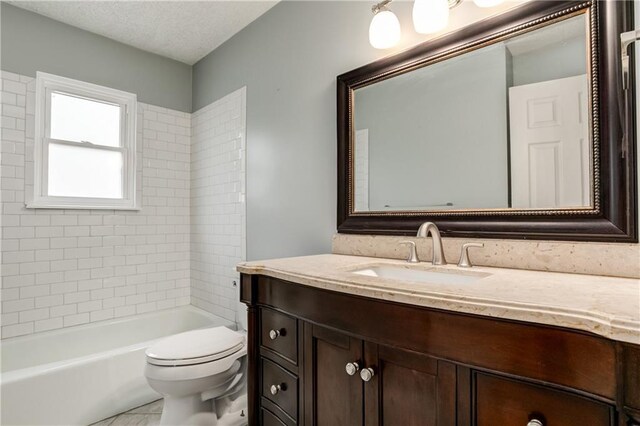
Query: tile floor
x=146 y=415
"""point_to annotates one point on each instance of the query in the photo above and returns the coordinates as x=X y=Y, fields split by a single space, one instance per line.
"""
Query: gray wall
x=289 y=59
x=439 y=134
x=553 y=62
x=31 y=42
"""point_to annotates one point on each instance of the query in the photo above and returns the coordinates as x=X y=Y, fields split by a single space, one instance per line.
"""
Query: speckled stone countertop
x=609 y=259
x=606 y=306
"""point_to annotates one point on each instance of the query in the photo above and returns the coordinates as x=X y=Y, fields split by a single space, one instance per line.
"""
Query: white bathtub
x=80 y=375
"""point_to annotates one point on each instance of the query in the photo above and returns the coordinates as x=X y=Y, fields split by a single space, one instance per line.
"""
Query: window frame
x=45 y=85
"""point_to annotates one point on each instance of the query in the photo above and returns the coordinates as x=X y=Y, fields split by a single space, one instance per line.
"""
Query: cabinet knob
x=535 y=422
x=274 y=334
x=275 y=389
x=367 y=374
x=352 y=368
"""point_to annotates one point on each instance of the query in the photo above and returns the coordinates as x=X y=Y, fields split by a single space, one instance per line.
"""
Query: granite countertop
x=606 y=306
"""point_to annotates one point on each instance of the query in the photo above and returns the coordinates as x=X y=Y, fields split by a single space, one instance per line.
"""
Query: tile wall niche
x=62 y=268
x=218 y=203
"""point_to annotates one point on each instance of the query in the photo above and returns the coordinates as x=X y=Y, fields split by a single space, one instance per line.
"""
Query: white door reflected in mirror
x=550 y=162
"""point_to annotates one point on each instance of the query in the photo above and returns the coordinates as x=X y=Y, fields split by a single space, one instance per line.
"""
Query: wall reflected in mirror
x=506 y=126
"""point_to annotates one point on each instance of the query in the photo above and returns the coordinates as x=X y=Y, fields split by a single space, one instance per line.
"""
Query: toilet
x=201 y=375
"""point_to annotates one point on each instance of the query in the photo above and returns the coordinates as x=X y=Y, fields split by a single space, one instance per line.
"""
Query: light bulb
x=487 y=3
x=430 y=16
x=384 y=31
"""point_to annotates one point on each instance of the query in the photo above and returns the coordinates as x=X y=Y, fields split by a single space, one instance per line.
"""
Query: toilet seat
x=195 y=347
x=194 y=371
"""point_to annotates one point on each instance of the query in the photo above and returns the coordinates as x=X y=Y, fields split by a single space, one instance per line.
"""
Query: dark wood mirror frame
x=613 y=217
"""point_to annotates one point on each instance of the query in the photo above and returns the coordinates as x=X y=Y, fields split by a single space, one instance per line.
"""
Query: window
x=84 y=152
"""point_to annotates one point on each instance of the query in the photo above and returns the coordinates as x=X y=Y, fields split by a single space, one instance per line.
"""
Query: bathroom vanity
x=332 y=344
x=452 y=134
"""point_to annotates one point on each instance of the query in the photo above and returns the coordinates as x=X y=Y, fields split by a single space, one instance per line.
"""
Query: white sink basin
x=421 y=275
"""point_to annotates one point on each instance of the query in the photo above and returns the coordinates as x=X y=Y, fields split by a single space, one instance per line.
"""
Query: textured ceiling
x=181 y=30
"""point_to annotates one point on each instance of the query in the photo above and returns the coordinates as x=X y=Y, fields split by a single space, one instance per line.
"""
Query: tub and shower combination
x=83 y=374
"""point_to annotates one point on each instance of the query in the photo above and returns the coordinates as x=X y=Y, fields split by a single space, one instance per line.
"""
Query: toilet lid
x=195 y=347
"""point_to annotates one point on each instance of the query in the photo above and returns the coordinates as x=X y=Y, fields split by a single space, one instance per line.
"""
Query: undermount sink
x=421 y=275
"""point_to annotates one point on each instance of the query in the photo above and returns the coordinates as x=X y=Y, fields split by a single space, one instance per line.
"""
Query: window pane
x=77 y=119
x=84 y=172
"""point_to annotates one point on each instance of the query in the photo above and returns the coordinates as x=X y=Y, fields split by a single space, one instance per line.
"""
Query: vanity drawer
x=280 y=387
x=508 y=402
x=269 y=419
x=279 y=332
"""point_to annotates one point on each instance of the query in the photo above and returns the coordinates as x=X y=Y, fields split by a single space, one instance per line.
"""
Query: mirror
x=505 y=126
x=516 y=126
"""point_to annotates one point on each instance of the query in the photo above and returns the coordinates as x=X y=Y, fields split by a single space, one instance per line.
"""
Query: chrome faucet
x=438 y=252
x=464 y=261
x=413 y=254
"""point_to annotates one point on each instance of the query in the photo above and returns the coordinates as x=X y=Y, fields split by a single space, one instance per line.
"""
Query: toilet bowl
x=201 y=374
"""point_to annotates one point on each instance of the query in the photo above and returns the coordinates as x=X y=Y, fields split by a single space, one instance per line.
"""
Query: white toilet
x=201 y=374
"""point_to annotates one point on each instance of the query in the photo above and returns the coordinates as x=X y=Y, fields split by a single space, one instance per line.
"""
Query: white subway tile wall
x=217 y=203
x=67 y=267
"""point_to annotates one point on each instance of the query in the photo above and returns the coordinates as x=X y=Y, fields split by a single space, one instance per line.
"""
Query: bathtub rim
x=11 y=376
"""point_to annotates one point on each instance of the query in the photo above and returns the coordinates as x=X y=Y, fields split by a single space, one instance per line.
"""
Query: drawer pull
x=352 y=368
x=535 y=422
x=367 y=374
x=274 y=334
x=275 y=389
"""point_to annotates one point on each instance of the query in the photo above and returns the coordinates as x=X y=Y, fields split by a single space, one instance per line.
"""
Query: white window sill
x=79 y=207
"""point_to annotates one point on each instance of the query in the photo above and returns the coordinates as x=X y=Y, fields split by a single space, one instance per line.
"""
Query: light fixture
x=430 y=16
x=488 y=3
x=384 y=30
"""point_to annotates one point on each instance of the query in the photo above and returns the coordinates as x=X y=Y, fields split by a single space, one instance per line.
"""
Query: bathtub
x=80 y=375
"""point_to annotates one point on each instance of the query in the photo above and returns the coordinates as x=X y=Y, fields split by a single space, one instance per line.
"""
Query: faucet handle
x=464 y=255
x=413 y=254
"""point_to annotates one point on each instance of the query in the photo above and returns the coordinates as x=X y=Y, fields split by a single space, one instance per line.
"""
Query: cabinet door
x=332 y=397
x=408 y=388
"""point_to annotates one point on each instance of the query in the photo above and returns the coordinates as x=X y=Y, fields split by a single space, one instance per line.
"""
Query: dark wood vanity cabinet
x=427 y=367
x=331 y=395
x=405 y=388
x=408 y=388
x=502 y=401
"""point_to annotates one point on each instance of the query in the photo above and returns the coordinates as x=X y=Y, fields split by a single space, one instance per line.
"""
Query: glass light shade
x=384 y=31
x=487 y=3
x=430 y=16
